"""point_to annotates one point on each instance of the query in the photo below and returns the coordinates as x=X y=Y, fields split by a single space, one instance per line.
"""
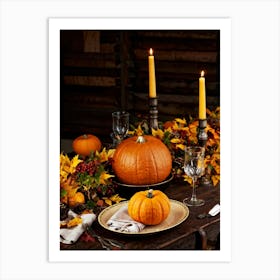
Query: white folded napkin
x=121 y=221
x=71 y=235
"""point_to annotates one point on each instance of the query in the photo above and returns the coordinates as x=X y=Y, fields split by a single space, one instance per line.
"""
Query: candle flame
x=151 y=51
x=202 y=73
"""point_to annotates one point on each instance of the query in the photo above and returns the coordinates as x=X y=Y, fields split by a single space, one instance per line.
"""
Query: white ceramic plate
x=179 y=212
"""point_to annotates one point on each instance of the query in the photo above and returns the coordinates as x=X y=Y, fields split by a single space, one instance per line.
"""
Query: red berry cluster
x=87 y=167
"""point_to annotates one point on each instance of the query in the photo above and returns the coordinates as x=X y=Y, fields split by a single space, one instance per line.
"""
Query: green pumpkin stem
x=150 y=193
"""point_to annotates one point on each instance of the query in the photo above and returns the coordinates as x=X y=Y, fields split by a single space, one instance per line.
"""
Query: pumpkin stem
x=85 y=136
x=140 y=139
x=150 y=193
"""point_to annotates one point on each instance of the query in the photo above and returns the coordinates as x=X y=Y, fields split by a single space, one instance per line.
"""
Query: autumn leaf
x=188 y=179
x=104 y=177
x=181 y=121
x=193 y=127
x=131 y=132
x=67 y=166
x=216 y=167
x=139 y=131
x=193 y=139
x=110 y=153
x=181 y=147
x=215 y=179
x=108 y=201
x=116 y=198
x=105 y=155
x=158 y=133
x=74 y=162
x=87 y=237
x=74 y=222
x=176 y=140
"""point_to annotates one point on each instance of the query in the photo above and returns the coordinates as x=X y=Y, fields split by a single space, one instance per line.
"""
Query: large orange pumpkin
x=85 y=144
x=142 y=160
x=150 y=207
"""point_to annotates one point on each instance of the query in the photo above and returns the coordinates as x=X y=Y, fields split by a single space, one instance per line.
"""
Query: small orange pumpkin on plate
x=150 y=207
x=85 y=144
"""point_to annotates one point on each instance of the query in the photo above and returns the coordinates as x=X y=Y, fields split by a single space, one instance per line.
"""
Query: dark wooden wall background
x=104 y=71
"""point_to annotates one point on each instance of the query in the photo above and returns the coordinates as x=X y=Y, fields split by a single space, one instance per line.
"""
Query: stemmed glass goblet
x=194 y=167
x=120 y=125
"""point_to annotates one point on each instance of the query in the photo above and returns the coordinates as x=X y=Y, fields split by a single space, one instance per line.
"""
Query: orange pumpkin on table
x=85 y=144
x=142 y=160
x=150 y=207
x=76 y=199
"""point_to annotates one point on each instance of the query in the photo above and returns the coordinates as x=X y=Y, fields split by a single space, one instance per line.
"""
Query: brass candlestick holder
x=153 y=103
x=202 y=140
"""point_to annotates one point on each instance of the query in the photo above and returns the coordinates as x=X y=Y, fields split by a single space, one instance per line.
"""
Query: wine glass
x=120 y=125
x=194 y=167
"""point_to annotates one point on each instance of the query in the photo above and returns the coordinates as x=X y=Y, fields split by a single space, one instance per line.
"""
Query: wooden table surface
x=192 y=234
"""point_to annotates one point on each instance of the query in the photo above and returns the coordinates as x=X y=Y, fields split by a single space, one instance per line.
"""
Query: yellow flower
x=114 y=198
x=185 y=128
x=73 y=163
x=187 y=178
x=63 y=175
x=68 y=166
x=176 y=140
x=215 y=179
x=169 y=129
x=193 y=139
x=211 y=142
x=105 y=155
x=216 y=156
x=158 y=133
x=217 y=168
x=175 y=126
x=193 y=127
x=104 y=177
x=181 y=121
x=181 y=146
x=139 y=131
x=74 y=222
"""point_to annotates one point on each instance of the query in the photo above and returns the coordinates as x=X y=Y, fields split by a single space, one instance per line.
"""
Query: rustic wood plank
x=169 y=34
x=91 y=41
x=89 y=60
x=88 y=71
x=124 y=43
x=89 y=81
x=176 y=86
x=185 y=44
x=95 y=90
x=88 y=100
x=196 y=56
x=107 y=48
x=189 y=69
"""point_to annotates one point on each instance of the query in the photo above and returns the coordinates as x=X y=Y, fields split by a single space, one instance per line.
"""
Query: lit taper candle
x=152 y=75
x=202 y=97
